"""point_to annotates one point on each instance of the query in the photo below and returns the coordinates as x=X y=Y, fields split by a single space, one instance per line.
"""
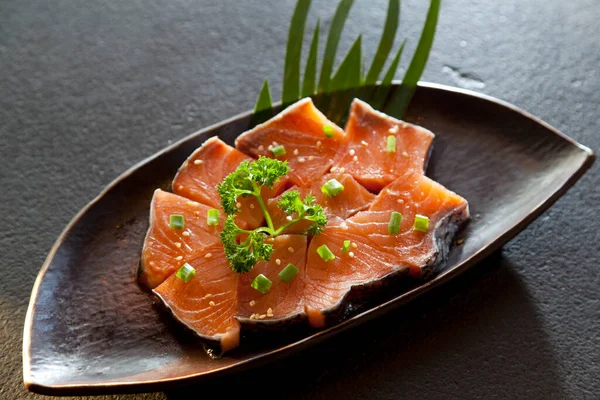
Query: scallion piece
x=212 y=217
x=186 y=272
x=346 y=247
x=176 y=221
x=332 y=188
x=391 y=144
x=278 y=151
x=325 y=253
x=328 y=131
x=394 y=225
x=421 y=223
x=288 y=273
x=261 y=283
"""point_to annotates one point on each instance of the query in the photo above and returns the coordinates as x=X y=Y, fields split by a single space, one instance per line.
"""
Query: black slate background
x=87 y=89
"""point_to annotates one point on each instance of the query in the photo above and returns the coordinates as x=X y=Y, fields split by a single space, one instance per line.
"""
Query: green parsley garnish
x=248 y=180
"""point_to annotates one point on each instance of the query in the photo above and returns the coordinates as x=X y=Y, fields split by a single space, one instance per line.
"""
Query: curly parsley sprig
x=247 y=180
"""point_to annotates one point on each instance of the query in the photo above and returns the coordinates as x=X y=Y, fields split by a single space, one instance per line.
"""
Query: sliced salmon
x=351 y=200
x=165 y=248
x=207 y=304
x=366 y=157
x=284 y=301
x=377 y=253
x=198 y=177
x=300 y=130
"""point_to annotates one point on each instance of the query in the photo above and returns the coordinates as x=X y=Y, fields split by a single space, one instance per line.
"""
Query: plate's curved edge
x=136 y=387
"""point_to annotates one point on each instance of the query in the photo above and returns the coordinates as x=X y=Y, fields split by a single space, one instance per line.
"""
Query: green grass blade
x=389 y=75
x=333 y=38
x=263 y=110
x=348 y=73
x=310 y=73
x=386 y=42
x=401 y=98
x=293 y=53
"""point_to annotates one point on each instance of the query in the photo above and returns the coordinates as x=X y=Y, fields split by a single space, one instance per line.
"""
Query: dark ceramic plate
x=91 y=329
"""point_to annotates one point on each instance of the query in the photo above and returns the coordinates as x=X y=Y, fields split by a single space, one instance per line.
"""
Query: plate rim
x=371 y=313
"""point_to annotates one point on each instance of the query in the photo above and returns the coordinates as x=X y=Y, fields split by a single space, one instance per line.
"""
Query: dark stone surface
x=88 y=89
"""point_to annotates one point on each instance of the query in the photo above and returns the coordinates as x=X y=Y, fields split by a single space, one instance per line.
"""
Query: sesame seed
x=179 y=258
x=178 y=245
x=252 y=316
x=208 y=255
x=261 y=148
x=185 y=164
x=333 y=169
x=460 y=241
x=301 y=160
x=211 y=303
x=198 y=162
x=354 y=245
x=192 y=203
x=344 y=226
x=342 y=170
x=351 y=254
x=238 y=205
x=270 y=312
x=404 y=125
x=296 y=152
x=289 y=218
x=404 y=154
x=252 y=206
x=185 y=233
x=180 y=187
x=352 y=152
x=310 y=158
x=393 y=129
x=364 y=143
x=291 y=249
x=355 y=158
x=400 y=201
x=208 y=296
x=197 y=213
x=319 y=143
x=263 y=316
x=252 y=303
x=275 y=143
x=152 y=263
x=278 y=261
x=270 y=147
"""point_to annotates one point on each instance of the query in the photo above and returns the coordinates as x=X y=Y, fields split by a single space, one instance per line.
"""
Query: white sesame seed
x=185 y=233
x=291 y=249
x=404 y=154
x=270 y=147
x=352 y=152
x=342 y=170
x=152 y=263
x=197 y=213
x=278 y=261
x=178 y=245
x=333 y=169
x=180 y=187
x=192 y=203
x=179 y=258
x=404 y=125
x=351 y=254
x=355 y=158
x=301 y=160
x=185 y=164
x=364 y=143
x=344 y=226
x=198 y=162
x=393 y=129
x=261 y=148
x=319 y=143
x=238 y=205
x=354 y=245
x=208 y=296
x=263 y=316
x=289 y=218
x=460 y=241
x=270 y=311
x=208 y=255
x=310 y=158
x=275 y=143
x=211 y=303
x=252 y=316
x=252 y=303
x=296 y=152
x=252 y=206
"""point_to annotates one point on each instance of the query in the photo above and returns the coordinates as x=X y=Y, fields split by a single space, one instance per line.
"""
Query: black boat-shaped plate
x=90 y=328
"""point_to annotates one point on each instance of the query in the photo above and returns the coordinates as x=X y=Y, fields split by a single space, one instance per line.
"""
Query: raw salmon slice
x=285 y=301
x=165 y=248
x=300 y=130
x=351 y=200
x=207 y=304
x=379 y=254
x=198 y=177
x=366 y=157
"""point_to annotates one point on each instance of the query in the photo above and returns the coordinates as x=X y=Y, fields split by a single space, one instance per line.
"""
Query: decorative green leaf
x=263 y=110
x=403 y=95
x=347 y=75
x=386 y=42
x=333 y=38
x=293 y=53
x=389 y=75
x=310 y=73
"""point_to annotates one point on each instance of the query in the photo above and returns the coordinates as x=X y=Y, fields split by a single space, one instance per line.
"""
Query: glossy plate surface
x=91 y=329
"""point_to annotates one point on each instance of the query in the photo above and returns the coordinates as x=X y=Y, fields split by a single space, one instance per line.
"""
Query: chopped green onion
x=394 y=225
x=328 y=131
x=332 y=188
x=176 y=221
x=421 y=223
x=261 y=283
x=325 y=253
x=391 y=144
x=212 y=217
x=288 y=273
x=186 y=272
x=346 y=247
x=278 y=151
